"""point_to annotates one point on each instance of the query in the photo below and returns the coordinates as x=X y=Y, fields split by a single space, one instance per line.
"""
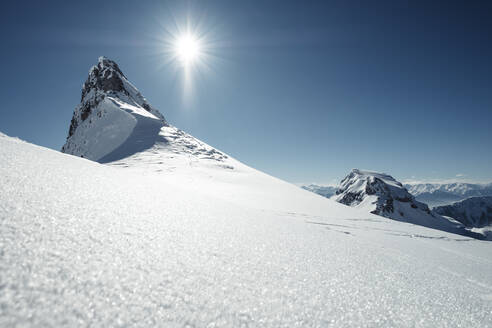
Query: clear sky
x=304 y=91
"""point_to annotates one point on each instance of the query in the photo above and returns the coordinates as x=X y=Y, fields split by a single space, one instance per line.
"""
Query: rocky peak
x=107 y=80
x=106 y=76
x=379 y=191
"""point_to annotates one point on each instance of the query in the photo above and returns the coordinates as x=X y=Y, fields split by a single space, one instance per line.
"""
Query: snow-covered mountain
x=381 y=194
x=436 y=194
x=114 y=121
x=172 y=232
x=109 y=110
x=472 y=212
x=325 y=191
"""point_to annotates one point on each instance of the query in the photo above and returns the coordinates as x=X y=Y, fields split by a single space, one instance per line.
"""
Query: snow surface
x=204 y=245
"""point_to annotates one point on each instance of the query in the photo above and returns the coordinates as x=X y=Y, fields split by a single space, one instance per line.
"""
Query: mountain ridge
x=114 y=122
x=474 y=212
x=438 y=194
x=380 y=194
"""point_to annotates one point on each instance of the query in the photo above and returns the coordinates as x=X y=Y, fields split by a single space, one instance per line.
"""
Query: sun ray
x=187 y=47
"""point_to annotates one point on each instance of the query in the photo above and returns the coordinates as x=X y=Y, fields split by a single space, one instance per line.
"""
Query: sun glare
x=187 y=49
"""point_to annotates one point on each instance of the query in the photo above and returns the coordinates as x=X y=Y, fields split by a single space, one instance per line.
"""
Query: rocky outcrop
x=106 y=79
x=379 y=192
x=100 y=110
x=114 y=122
x=474 y=212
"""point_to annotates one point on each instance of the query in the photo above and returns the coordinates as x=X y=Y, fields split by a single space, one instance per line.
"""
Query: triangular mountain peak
x=115 y=122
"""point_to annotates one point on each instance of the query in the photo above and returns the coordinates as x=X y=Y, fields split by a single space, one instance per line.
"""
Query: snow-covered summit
x=114 y=121
x=381 y=194
x=107 y=78
x=359 y=184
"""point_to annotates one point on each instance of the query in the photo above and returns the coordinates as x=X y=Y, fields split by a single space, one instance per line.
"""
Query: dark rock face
x=351 y=197
x=106 y=76
x=85 y=109
x=473 y=212
x=85 y=113
x=375 y=186
x=384 y=207
x=73 y=126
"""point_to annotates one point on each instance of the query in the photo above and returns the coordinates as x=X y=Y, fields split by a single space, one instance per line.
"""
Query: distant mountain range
x=381 y=194
x=433 y=194
x=325 y=191
x=438 y=194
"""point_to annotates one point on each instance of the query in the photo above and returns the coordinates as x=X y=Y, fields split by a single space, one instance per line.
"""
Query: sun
x=187 y=49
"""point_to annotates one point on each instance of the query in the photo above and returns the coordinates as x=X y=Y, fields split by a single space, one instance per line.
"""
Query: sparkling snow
x=203 y=245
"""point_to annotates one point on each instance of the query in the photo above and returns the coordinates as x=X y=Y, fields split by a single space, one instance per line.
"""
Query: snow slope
x=89 y=244
x=381 y=194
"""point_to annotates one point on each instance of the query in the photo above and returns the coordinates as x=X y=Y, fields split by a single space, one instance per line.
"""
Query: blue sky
x=304 y=91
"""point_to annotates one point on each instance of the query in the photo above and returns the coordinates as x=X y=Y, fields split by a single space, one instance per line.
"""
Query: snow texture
x=85 y=244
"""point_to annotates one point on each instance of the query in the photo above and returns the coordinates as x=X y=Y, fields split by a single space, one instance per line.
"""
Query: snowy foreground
x=89 y=244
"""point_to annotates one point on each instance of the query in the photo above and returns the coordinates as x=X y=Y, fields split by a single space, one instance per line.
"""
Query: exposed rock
x=105 y=79
x=379 y=191
x=474 y=212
